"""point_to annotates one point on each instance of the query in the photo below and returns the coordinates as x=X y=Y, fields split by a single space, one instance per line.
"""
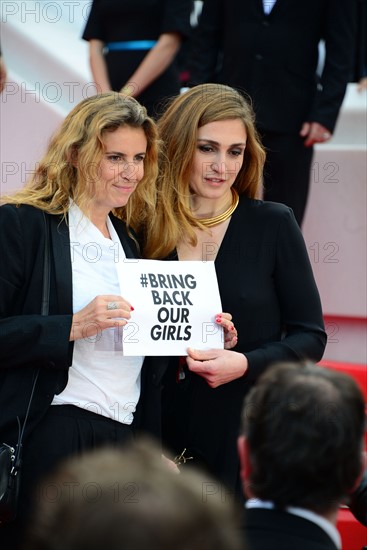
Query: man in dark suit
x=301 y=454
x=270 y=51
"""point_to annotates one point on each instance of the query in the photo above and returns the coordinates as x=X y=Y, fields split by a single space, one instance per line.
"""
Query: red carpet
x=353 y=533
x=358 y=372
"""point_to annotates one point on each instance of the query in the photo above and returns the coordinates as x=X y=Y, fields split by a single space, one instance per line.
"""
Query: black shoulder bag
x=10 y=457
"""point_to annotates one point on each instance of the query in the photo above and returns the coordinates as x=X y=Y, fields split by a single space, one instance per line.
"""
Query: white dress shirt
x=101 y=379
x=268 y=6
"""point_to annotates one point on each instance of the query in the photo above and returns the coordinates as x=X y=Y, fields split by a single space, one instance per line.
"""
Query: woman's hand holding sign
x=230 y=333
x=105 y=311
x=217 y=366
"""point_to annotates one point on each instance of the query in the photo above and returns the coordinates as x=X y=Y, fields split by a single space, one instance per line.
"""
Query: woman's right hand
x=106 y=311
x=217 y=366
x=230 y=332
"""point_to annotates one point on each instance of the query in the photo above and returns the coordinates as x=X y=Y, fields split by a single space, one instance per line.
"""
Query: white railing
x=335 y=230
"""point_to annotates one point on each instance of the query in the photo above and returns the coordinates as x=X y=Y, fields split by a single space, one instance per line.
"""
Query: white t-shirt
x=101 y=379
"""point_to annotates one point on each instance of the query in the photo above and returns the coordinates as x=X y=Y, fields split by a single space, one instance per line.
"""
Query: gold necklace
x=210 y=222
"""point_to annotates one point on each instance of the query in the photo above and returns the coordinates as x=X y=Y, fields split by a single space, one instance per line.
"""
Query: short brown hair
x=304 y=426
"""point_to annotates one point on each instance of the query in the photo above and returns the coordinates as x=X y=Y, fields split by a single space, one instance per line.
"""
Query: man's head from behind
x=303 y=428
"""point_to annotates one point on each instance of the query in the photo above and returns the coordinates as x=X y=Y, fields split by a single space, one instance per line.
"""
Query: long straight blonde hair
x=69 y=169
x=178 y=127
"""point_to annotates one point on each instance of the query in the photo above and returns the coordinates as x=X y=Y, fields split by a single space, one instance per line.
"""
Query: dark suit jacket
x=265 y=529
x=274 y=58
x=360 y=59
x=358 y=501
x=27 y=339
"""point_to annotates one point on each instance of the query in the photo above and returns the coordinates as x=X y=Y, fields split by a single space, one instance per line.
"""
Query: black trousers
x=64 y=432
x=287 y=171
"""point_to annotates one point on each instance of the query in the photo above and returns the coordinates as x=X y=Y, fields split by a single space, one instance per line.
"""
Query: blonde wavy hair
x=178 y=129
x=69 y=169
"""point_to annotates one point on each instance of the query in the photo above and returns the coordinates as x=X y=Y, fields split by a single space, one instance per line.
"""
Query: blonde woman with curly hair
x=99 y=169
x=208 y=209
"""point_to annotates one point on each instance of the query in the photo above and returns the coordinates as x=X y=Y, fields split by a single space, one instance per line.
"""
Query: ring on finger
x=112 y=305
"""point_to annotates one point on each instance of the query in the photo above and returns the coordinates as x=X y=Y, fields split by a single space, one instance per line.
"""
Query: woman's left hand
x=230 y=333
x=217 y=366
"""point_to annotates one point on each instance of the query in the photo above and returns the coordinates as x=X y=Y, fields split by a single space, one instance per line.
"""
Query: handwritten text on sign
x=175 y=304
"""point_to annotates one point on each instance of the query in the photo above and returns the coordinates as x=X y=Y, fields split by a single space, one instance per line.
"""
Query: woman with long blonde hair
x=99 y=169
x=208 y=210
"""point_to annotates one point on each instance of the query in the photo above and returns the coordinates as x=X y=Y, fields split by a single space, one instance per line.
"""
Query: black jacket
x=274 y=57
x=28 y=340
x=358 y=501
x=280 y=530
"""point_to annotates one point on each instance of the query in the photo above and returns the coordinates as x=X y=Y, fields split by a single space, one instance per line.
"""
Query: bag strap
x=45 y=303
x=46 y=269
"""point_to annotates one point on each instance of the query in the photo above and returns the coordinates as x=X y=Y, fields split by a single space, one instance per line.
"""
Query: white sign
x=175 y=304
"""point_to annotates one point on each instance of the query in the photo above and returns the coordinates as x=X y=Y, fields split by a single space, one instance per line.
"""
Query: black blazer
x=358 y=501
x=360 y=59
x=27 y=339
x=264 y=529
x=274 y=58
